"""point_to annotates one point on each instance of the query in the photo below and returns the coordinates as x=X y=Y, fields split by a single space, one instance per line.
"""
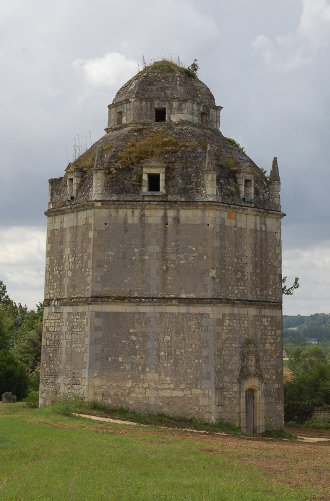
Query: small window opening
x=119 y=117
x=204 y=118
x=160 y=114
x=248 y=194
x=153 y=182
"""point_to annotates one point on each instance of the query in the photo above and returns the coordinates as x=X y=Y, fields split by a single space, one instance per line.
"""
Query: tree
x=4 y=298
x=304 y=359
x=5 y=326
x=310 y=384
x=20 y=345
x=28 y=339
x=288 y=291
x=13 y=375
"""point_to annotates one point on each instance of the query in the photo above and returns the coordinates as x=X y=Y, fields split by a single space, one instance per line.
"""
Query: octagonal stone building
x=163 y=268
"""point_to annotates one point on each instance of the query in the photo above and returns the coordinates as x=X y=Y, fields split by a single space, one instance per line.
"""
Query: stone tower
x=163 y=271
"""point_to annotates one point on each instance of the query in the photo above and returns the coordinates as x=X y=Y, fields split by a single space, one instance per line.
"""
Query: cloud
x=46 y=100
x=110 y=70
x=312 y=266
x=179 y=28
x=264 y=45
x=22 y=263
x=315 y=23
x=286 y=53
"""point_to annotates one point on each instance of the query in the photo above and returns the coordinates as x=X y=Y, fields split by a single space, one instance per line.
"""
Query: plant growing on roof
x=192 y=69
x=235 y=143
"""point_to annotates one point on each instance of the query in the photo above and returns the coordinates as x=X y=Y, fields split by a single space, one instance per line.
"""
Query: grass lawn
x=46 y=456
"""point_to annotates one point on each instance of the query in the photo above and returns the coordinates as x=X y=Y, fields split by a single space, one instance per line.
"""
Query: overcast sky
x=266 y=62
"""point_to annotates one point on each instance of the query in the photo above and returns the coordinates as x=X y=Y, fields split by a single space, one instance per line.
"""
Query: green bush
x=32 y=400
x=13 y=375
x=278 y=434
x=320 y=425
x=297 y=406
x=34 y=379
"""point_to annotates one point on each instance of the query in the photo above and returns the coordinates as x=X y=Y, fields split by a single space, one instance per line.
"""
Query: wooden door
x=249 y=411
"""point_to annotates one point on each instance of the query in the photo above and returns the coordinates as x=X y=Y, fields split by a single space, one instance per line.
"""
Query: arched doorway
x=252 y=413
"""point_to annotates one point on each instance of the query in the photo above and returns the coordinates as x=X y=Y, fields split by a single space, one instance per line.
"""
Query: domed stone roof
x=165 y=80
x=184 y=141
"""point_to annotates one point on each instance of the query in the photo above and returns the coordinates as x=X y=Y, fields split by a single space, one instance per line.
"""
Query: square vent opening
x=153 y=182
x=160 y=114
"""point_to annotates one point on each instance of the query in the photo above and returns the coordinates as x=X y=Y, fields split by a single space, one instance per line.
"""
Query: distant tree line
x=20 y=346
x=302 y=330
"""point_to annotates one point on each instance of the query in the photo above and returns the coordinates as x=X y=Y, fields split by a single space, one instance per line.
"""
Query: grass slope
x=44 y=455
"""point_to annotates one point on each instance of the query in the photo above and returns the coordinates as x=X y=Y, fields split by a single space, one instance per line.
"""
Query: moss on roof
x=87 y=159
x=166 y=65
x=154 y=144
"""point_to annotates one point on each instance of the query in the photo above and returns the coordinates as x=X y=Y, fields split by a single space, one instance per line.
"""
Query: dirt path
x=308 y=432
x=303 y=434
x=107 y=420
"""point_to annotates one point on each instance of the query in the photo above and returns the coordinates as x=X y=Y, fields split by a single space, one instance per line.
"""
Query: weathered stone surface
x=8 y=397
x=321 y=414
x=165 y=301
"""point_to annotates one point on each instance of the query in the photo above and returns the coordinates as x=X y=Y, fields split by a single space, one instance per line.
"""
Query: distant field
x=286 y=371
x=47 y=456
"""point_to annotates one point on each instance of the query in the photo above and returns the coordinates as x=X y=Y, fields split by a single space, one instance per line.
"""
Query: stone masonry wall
x=152 y=359
x=163 y=308
x=143 y=111
x=68 y=259
x=174 y=359
x=248 y=343
x=186 y=252
x=65 y=347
